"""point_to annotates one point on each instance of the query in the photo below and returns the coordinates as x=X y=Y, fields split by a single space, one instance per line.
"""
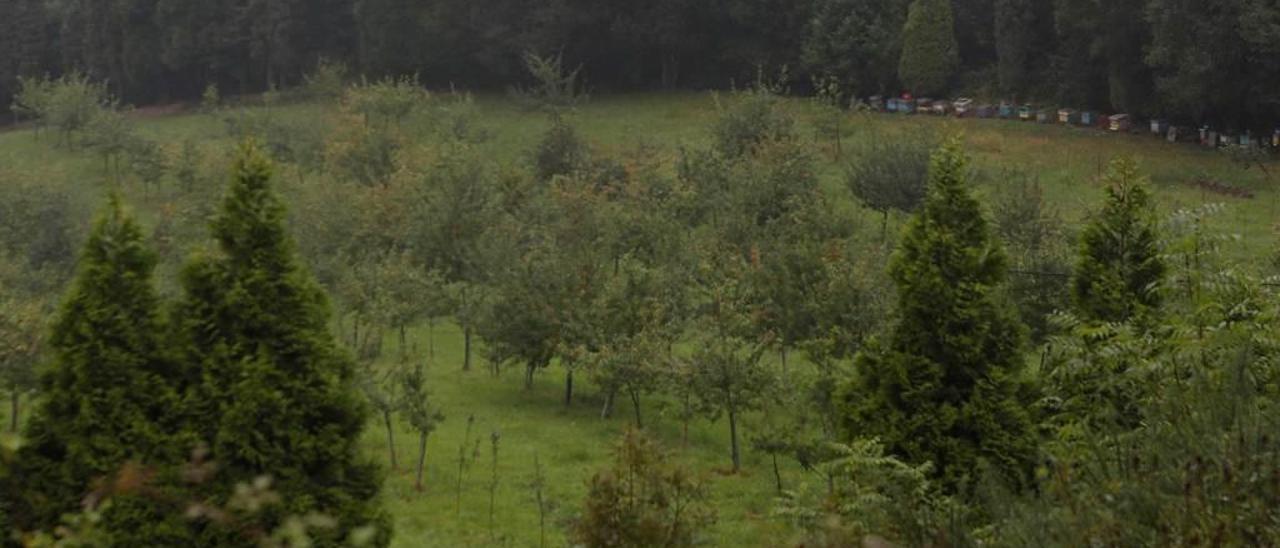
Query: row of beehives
x=967 y=108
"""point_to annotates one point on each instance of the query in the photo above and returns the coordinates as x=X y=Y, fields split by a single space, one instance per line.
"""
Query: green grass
x=572 y=442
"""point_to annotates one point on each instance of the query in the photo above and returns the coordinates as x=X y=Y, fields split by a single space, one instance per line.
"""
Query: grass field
x=572 y=442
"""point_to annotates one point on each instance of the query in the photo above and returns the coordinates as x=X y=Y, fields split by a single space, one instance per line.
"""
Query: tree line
x=1196 y=63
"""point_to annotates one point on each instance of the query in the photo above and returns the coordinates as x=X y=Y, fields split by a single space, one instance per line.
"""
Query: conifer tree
x=275 y=394
x=1119 y=269
x=930 y=55
x=944 y=386
x=108 y=394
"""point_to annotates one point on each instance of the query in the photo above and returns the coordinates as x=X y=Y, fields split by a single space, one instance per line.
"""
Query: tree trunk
x=15 y=407
x=422 y=459
x=568 y=387
x=404 y=351
x=839 y=114
x=777 y=476
x=684 y=420
x=733 y=439
x=528 y=377
x=670 y=70
x=607 y=409
x=635 y=406
x=782 y=351
x=391 y=440
x=466 y=348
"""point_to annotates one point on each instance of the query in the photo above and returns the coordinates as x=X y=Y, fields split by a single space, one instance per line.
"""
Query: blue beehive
x=1006 y=110
x=1088 y=118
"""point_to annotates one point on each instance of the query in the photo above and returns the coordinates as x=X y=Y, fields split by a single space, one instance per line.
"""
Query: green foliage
x=1195 y=50
x=870 y=494
x=255 y=332
x=1192 y=455
x=1162 y=57
x=802 y=282
x=624 y=339
x=644 y=500
x=109 y=392
x=301 y=141
x=210 y=99
x=422 y=415
x=364 y=154
x=384 y=395
x=751 y=118
x=727 y=375
x=68 y=104
x=89 y=525
x=21 y=330
x=555 y=89
x=1039 y=256
x=456 y=119
x=1020 y=30
x=110 y=134
x=523 y=323
x=455 y=208
x=945 y=385
x=327 y=82
x=386 y=102
x=37 y=235
x=890 y=174
x=560 y=151
x=33 y=99
x=857 y=43
x=1103 y=376
x=1119 y=272
x=147 y=161
x=930 y=56
x=832 y=116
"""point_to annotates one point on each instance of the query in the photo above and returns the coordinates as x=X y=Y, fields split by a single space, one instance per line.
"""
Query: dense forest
x=1197 y=63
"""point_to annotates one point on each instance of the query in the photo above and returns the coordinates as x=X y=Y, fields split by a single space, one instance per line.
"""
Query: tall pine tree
x=944 y=387
x=275 y=394
x=1119 y=269
x=107 y=396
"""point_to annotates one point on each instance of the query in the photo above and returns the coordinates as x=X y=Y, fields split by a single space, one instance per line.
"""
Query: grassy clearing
x=572 y=442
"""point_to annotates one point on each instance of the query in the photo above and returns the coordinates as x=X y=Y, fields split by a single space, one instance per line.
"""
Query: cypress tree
x=107 y=396
x=930 y=56
x=944 y=387
x=274 y=395
x=1119 y=269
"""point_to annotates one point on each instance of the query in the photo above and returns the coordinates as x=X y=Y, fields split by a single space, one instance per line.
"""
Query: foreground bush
x=644 y=500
